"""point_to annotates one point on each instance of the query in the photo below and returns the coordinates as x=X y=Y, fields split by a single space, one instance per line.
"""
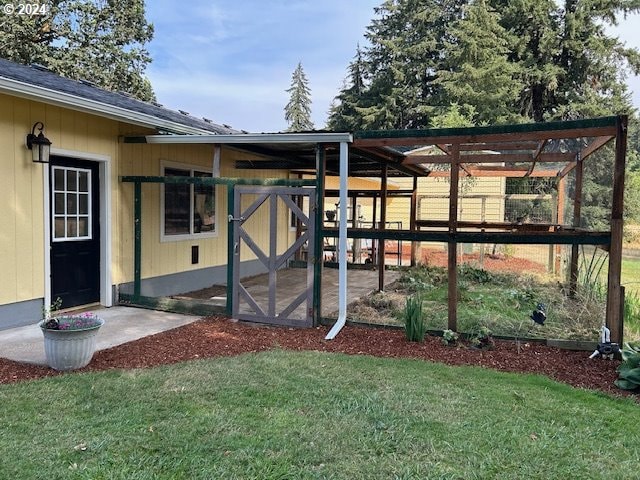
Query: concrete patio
x=122 y=325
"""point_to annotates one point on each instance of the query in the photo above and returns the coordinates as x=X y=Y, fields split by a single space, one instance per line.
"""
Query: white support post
x=342 y=243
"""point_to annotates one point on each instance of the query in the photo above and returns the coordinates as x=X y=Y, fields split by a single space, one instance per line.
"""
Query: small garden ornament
x=539 y=315
x=605 y=348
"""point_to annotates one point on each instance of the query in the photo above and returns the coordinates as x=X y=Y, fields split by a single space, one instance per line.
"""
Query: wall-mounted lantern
x=39 y=145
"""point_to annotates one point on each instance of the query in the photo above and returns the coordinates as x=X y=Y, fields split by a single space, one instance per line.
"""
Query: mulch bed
x=218 y=336
x=494 y=263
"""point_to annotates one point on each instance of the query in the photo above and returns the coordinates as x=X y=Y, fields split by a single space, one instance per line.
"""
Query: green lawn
x=631 y=275
x=280 y=415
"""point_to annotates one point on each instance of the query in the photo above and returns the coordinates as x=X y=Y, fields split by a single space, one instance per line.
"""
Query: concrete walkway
x=125 y=324
x=122 y=325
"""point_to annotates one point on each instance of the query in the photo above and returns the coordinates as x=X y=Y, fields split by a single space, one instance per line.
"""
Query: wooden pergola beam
x=565 y=171
x=510 y=172
x=410 y=137
x=596 y=145
x=395 y=161
x=507 y=145
x=593 y=147
x=536 y=156
x=491 y=158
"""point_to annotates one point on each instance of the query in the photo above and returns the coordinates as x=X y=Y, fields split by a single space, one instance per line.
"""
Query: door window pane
x=58 y=176
x=84 y=204
x=84 y=182
x=72 y=227
x=59 y=204
x=71 y=209
x=59 y=230
x=72 y=180
x=72 y=203
x=83 y=226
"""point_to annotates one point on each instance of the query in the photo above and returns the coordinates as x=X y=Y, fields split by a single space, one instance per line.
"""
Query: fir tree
x=85 y=39
x=481 y=76
x=297 y=112
x=399 y=66
x=572 y=67
x=344 y=113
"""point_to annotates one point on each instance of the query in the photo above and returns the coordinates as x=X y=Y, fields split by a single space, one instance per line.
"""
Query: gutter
x=342 y=245
x=252 y=138
x=60 y=99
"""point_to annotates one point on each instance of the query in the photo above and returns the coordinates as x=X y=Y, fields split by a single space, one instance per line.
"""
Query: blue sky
x=232 y=61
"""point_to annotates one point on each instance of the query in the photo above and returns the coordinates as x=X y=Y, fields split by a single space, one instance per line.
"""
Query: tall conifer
x=297 y=112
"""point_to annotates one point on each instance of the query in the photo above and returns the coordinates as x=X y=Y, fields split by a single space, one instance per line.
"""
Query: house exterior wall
x=23 y=261
x=22 y=236
x=164 y=258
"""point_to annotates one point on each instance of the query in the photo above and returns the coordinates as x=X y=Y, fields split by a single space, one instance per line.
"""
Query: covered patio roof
x=550 y=149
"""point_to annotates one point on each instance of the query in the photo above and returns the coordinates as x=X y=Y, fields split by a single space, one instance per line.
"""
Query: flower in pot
x=70 y=339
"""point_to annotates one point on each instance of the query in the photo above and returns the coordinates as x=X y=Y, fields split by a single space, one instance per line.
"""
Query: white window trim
x=77 y=238
x=164 y=164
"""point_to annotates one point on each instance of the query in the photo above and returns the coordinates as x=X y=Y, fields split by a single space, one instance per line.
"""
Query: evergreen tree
x=406 y=40
x=481 y=76
x=97 y=40
x=297 y=112
x=455 y=116
x=573 y=69
x=344 y=114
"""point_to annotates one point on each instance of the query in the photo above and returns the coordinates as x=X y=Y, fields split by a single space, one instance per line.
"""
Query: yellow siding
x=167 y=257
x=433 y=201
x=22 y=256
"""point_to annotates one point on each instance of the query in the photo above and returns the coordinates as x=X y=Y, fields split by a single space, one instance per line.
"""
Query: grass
x=630 y=275
x=504 y=302
x=306 y=415
x=630 y=278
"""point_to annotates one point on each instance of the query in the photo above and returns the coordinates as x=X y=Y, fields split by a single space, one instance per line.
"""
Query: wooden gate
x=265 y=220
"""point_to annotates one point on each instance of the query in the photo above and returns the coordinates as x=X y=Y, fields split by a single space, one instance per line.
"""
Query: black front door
x=75 y=231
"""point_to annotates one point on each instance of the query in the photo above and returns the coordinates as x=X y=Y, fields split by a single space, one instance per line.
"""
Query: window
x=189 y=210
x=71 y=204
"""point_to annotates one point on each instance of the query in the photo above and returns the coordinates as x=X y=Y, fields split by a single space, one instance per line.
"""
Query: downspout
x=342 y=244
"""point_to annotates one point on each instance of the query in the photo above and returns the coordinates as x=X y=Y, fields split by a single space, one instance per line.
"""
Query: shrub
x=473 y=274
x=414 y=325
x=481 y=337
x=629 y=369
x=449 y=337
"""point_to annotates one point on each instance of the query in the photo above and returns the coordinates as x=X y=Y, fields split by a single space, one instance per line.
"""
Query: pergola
x=550 y=150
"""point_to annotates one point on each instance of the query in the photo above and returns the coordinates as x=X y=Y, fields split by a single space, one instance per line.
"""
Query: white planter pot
x=69 y=349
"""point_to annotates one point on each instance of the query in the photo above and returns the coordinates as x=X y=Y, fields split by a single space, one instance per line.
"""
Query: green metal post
x=137 y=250
x=230 y=248
x=318 y=253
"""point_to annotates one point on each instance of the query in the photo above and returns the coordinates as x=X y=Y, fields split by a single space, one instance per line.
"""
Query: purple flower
x=76 y=321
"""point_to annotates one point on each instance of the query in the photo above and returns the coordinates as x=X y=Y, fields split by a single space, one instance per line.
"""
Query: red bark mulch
x=217 y=336
x=494 y=263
